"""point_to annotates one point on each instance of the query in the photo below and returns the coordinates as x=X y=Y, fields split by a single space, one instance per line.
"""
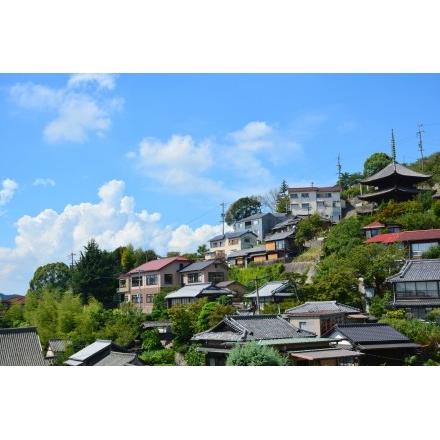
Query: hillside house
x=326 y=201
x=416 y=288
x=140 y=284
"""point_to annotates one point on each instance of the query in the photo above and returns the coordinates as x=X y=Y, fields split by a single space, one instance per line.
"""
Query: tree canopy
x=242 y=208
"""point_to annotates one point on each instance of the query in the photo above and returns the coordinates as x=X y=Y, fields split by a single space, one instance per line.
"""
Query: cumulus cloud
x=113 y=221
x=7 y=191
x=81 y=106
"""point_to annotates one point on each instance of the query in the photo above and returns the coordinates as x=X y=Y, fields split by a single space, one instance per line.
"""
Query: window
x=136 y=281
x=216 y=277
x=195 y=277
x=151 y=279
x=280 y=245
x=168 y=278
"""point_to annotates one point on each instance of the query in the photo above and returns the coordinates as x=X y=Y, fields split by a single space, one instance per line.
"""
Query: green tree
x=53 y=276
x=253 y=354
x=95 y=275
x=375 y=163
x=344 y=236
x=242 y=208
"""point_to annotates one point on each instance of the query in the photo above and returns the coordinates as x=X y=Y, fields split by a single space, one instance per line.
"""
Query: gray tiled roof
x=194 y=290
x=317 y=307
x=369 y=333
x=395 y=168
x=115 y=359
x=273 y=288
x=21 y=347
x=256 y=327
x=200 y=265
x=417 y=270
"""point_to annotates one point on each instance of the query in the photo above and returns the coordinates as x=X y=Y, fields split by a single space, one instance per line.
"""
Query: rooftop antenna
x=419 y=134
x=393 y=147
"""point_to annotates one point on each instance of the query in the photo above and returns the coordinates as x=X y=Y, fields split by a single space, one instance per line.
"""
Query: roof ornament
x=393 y=146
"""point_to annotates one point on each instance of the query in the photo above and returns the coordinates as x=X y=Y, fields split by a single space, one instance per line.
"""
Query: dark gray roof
x=417 y=270
x=234 y=234
x=115 y=359
x=201 y=265
x=273 y=288
x=21 y=347
x=250 y=251
x=394 y=168
x=199 y=289
x=367 y=334
x=318 y=307
x=280 y=236
x=257 y=327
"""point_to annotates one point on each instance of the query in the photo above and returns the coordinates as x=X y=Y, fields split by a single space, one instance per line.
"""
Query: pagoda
x=394 y=182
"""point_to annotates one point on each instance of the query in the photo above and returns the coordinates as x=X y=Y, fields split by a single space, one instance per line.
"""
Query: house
x=21 y=347
x=222 y=245
x=140 y=284
x=415 y=242
x=394 y=182
x=321 y=316
x=260 y=224
x=269 y=330
x=272 y=291
x=380 y=343
x=416 y=287
x=104 y=353
x=193 y=292
x=207 y=271
x=376 y=228
x=326 y=201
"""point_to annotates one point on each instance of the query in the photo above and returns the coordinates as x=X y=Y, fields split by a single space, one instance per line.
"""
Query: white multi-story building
x=326 y=201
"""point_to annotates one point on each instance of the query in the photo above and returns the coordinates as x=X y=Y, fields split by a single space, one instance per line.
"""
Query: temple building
x=394 y=182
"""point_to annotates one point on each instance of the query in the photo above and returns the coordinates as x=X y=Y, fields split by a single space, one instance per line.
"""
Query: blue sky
x=148 y=159
x=233 y=103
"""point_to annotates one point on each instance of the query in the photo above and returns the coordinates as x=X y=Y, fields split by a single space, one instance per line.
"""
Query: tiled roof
x=318 y=307
x=394 y=168
x=417 y=270
x=115 y=359
x=255 y=327
x=406 y=236
x=369 y=333
x=200 y=265
x=197 y=289
x=21 y=347
x=158 y=264
x=280 y=236
x=273 y=288
x=228 y=235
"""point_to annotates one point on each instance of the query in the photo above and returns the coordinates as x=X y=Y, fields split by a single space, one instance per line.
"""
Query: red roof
x=393 y=237
x=374 y=225
x=158 y=264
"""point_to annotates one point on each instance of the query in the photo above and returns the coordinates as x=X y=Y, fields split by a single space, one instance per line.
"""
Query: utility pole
x=419 y=134
x=258 y=295
x=223 y=217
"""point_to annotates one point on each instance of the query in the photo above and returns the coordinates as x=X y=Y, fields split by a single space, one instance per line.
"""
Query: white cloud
x=51 y=237
x=43 y=182
x=7 y=191
x=81 y=106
